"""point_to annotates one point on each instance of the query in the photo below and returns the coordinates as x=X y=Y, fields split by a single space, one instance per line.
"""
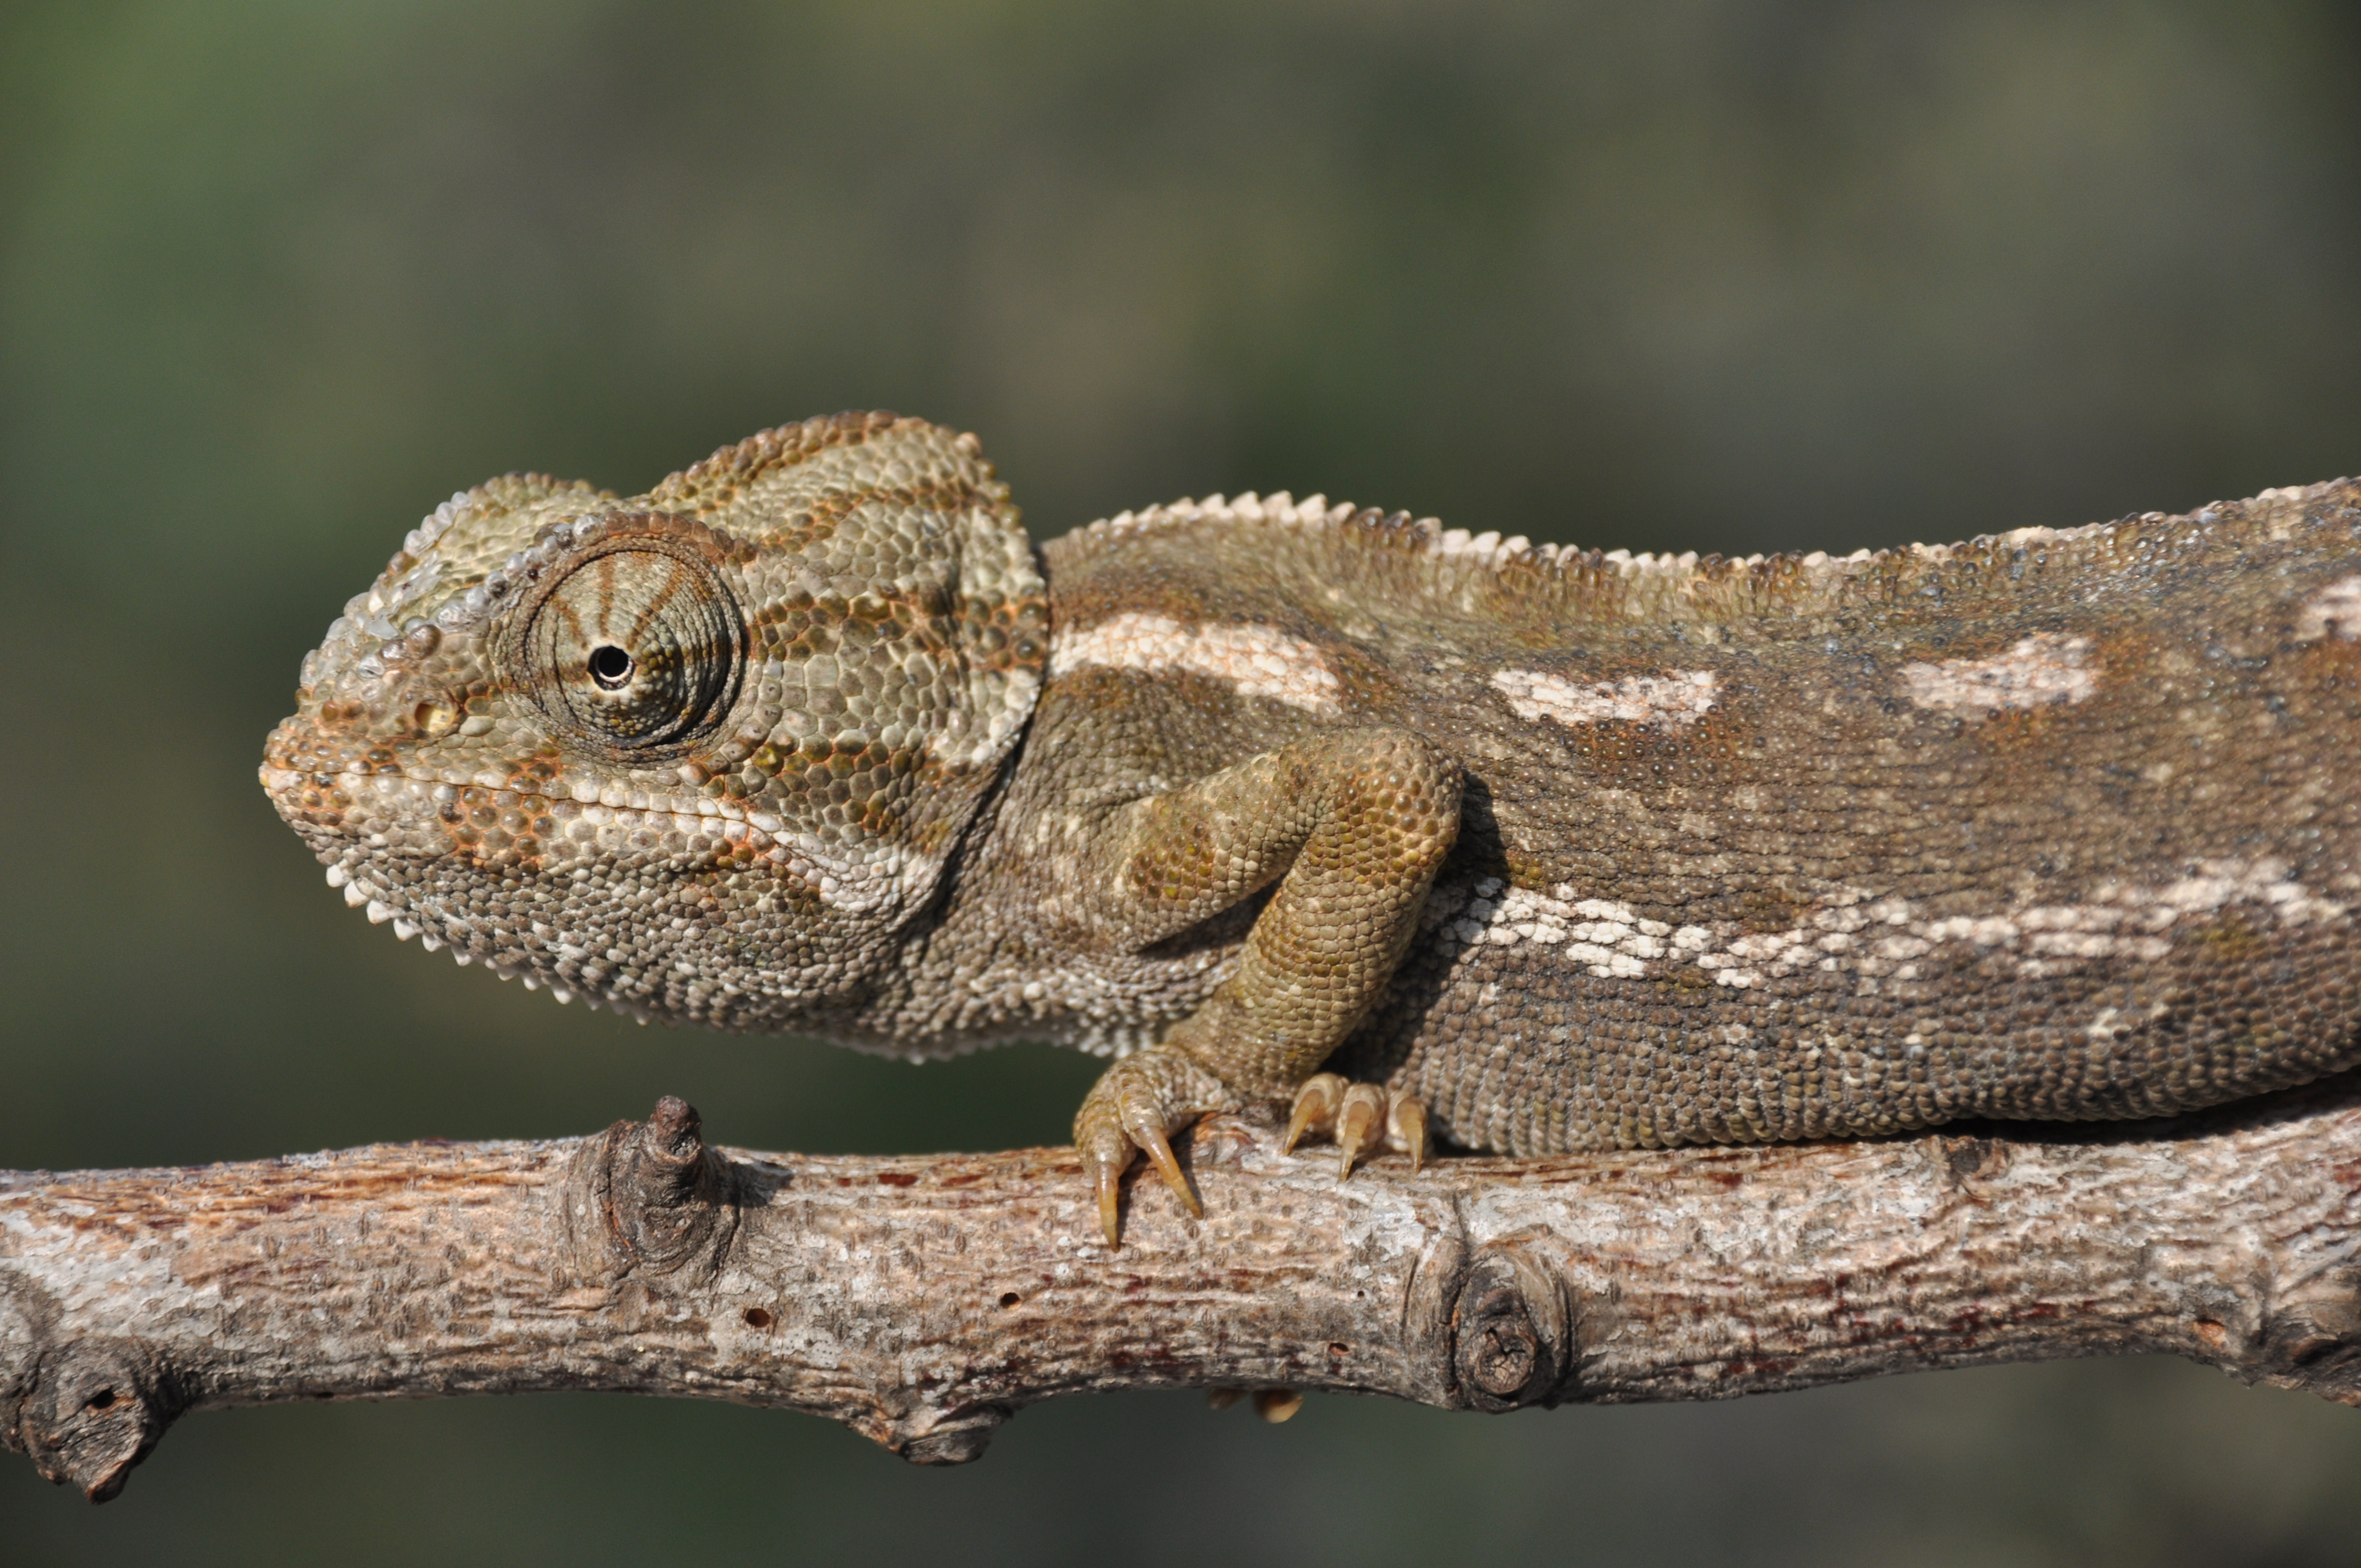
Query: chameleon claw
x=1358 y=1123
x=1167 y=1166
x=1223 y=1399
x=1109 y=1184
x=1406 y=1125
x=1316 y=1108
x=1106 y=1154
x=1361 y=1117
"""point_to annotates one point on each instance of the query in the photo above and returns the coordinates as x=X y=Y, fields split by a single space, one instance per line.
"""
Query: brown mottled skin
x=1564 y=850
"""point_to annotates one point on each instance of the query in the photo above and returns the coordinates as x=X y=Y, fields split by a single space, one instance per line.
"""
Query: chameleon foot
x=1136 y=1107
x=1361 y=1116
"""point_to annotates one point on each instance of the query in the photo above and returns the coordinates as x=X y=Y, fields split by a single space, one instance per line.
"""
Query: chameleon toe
x=1316 y=1108
x=1360 y=1120
x=1406 y=1127
x=1361 y=1117
x=1110 y=1185
x=1106 y=1152
x=1158 y=1149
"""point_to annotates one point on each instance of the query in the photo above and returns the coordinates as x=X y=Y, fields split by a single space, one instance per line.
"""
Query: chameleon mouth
x=361 y=815
x=284 y=783
x=354 y=798
x=354 y=787
x=427 y=817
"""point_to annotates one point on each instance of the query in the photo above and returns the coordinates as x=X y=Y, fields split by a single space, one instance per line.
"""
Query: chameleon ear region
x=636 y=646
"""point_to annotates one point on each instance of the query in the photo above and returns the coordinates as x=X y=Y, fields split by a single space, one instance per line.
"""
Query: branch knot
x=667 y=1201
x=1510 y=1331
x=96 y=1407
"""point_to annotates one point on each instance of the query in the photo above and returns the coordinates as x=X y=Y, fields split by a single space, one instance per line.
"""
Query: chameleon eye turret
x=635 y=643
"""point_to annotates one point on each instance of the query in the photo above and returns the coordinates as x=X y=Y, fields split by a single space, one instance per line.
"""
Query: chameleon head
x=701 y=754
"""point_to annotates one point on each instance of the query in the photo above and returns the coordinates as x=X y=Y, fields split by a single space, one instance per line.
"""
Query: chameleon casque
x=1535 y=849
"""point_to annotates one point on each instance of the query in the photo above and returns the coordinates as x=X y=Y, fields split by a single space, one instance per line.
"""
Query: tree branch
x=922 y=1301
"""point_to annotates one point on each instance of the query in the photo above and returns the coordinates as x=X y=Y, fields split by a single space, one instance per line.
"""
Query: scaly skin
x=1562 y=850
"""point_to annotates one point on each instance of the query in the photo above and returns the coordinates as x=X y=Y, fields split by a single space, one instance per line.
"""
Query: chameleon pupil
x=610 y=666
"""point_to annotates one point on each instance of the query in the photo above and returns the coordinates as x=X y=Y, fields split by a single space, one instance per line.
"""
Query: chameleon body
x=1536 y=850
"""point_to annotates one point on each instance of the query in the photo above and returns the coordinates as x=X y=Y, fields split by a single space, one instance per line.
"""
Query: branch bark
x=923 y=1301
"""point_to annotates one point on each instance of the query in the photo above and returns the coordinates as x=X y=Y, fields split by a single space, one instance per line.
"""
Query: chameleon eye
x=636 y=648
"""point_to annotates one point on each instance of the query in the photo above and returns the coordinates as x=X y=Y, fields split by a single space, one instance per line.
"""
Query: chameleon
x=1434 y=836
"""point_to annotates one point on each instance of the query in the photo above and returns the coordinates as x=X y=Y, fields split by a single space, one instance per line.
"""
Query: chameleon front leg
x=1352 y=825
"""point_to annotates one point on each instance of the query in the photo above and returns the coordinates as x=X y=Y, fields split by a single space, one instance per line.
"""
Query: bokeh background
x=1718 y=274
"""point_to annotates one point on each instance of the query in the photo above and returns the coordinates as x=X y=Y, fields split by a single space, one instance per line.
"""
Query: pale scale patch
x=1873 y=938
x=1253 y=659
x=1682 y=697
x=2333 y=611
x=2042 y=669
x=1605 y=936
x=1877 y=938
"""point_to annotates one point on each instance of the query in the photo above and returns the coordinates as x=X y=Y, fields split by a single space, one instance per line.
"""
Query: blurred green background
x=1713 y=274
